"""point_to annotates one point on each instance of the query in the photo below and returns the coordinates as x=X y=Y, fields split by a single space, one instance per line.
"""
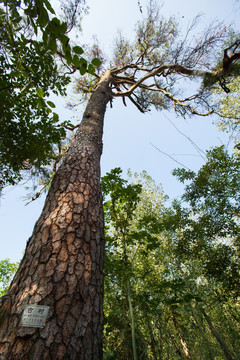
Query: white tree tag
x=34 y=315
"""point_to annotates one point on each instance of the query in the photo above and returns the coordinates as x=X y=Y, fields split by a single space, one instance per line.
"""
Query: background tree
x=119 y=211
x=211 y=228
x=178 y=309
x=7 y=270
x=63 y=263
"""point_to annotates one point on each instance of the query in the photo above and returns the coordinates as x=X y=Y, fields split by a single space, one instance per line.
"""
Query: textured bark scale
x=63 y=263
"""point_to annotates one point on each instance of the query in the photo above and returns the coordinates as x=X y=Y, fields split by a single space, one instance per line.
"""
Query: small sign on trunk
x=34 y=315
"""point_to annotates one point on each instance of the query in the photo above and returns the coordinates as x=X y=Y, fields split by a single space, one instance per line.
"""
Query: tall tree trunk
x=160 y=342
x=178 y=351
x=132 y=317
x=63 y=263
x=222 y=344
x=180 y=335
x=152 y=341
x=134 y=346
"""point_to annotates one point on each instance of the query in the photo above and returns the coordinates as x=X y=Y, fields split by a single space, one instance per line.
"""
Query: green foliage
x=28 y=127
x=210 y=228
x=31 y=35
x=228 y=107
x=123 y=198
x=214 y=190
x=169 y=284
x=7 y=270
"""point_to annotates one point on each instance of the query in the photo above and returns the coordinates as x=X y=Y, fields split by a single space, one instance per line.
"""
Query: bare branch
x=162 y=152
x=136 y=104
x=198 y=149
x=171 y=68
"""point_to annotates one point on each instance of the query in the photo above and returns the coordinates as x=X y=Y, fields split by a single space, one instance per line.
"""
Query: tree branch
x=170 y=67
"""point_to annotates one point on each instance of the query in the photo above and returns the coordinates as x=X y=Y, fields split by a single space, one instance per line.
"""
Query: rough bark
x=63 y=263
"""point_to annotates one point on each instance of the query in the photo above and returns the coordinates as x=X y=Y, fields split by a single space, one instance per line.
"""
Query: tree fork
x=63 y=263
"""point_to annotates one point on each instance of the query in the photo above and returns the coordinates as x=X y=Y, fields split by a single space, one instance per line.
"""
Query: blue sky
x=128 y=134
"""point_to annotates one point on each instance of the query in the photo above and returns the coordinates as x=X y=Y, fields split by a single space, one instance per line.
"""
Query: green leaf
x=63 y=27
x=43 y=17
x=40 y=92
x=68 y=57
x=45 y=37
x=40 y=104
x=76 y=61
x=55 y=23
x=52 y=45
x=64 y=39
x=31 y=69
x=83 y=70
x=48 y=6
x=55 y=117
x=78 y=50
x=96 y=62
x=83 y=62
x=32 y=12
x=51 y=104
x=91 y=69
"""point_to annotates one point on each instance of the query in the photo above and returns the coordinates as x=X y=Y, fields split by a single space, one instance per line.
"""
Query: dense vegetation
x=172 y=273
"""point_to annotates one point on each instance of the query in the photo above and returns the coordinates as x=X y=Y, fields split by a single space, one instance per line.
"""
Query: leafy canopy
x=169 y=285
x=209 y=229
x=31 y=37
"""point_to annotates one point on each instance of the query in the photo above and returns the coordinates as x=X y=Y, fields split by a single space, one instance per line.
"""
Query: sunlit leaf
x=40 y=92
x=51 y=104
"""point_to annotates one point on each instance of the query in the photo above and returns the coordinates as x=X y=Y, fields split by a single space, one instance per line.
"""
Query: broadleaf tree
x=63 y=263
x=178 y=309
x=212 y=220
x=31 y=37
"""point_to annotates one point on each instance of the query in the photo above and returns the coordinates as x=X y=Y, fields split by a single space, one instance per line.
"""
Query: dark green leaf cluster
x=29 y=128
x=30 y=36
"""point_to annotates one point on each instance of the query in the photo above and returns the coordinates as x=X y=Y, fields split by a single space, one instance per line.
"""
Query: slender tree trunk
x=178 y=351
x=134 y=346
x=63 y=263
x=180 y=335
x=160 y=342
x=132 y=318
x=152 y=341
x=217 y=336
